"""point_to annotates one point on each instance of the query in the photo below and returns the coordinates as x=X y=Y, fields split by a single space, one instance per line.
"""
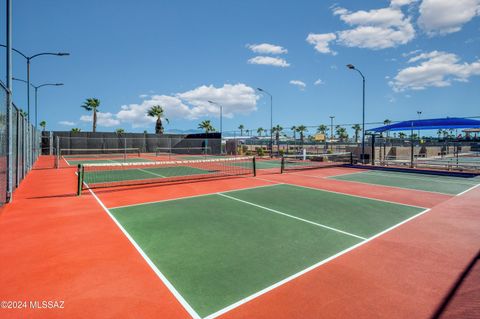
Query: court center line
x=192 y=196
x=306 y=270
x=291 y=216
x=159 y=175
x=157 y=271
x=352 y=195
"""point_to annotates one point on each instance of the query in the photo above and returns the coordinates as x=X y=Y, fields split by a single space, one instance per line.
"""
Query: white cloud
x=105 y=119
x=67 y=123
x=375 y=29
x=143 y=96
x=319 y=82
x=399 y=3
x=322 y=42
x=300 y=84
x=268 y=60
x=434 y=69
x=446 y=16
x=266 y=48
x=191 y=105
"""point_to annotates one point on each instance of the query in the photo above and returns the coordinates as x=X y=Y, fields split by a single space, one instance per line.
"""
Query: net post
x=80 y=172
x=254 y=167
x=282 y=165
x=57 y=151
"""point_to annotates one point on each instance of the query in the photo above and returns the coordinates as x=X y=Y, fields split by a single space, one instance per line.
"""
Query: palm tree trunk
x=94 y=129
x=159 y=126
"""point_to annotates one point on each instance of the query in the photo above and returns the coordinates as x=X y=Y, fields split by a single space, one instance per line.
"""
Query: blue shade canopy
x=431 y=124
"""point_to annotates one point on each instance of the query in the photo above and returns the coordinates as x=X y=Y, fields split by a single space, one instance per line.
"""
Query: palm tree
x=92 y=104
x=301 y=129
x=387 y=122
x=439 y=133
x=322 y=129
x=294 y=130
x=247 y=131
x=401 y=135
x=23 y=113
x=76 y=130
x=277 y=130
x=356 y=128
x=157 y=111
x=206 y=126
x=241 y=127
x=119 y=131
x=43 y=125
x=341 y=132
x=260 y=130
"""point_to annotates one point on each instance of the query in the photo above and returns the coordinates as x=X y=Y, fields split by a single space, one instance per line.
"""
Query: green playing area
x=218 y=249
x=107 y=161
x=120 y=175
x=433 y=183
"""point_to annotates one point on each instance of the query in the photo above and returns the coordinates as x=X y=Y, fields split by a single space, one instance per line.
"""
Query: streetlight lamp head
x=351 y=66
x=260 y=89
x=211 y=102
x=58 y=84
x=63 y=53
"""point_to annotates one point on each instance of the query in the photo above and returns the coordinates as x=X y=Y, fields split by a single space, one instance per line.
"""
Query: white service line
x=298 y=274
x=467 y=190
x=162 y=277
x=351 y=195
x=294 y=217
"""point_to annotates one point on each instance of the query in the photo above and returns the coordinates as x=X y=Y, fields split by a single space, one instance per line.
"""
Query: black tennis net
x=312 y=161
x=123 y=174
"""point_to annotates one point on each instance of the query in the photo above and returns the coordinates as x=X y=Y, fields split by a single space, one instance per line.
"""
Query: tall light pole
x=271 y=119
x=8 y=61
x=29 y=59
x=36 y=93
x=352 y=67
x=419 y=113
x=331 y=131
x=221 y=120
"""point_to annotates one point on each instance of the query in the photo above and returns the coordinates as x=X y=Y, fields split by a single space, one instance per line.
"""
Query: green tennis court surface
x=107 y=161
x=218 y=249
x=264 y=164
x=133 y=174
x=434 y=183
x=200 y=157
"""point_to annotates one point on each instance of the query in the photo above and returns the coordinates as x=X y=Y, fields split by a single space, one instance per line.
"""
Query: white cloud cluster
x=192 y=105
x=267 y=48
x=374 y=29
x=300 y=84
x=446 y=16
x=268 y=60
x=322 y=42
x=319 y=82
x=66 y=123
x=106 y=119
x=434 y=69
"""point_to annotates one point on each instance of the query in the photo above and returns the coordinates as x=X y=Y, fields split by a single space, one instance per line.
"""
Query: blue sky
x=416 y=55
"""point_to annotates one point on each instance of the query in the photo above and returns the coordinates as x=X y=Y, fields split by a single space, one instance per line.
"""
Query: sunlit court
x=290 y=160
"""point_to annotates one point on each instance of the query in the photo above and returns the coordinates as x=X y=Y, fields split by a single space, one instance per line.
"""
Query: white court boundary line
x=160 y=275
x=467 y=190
x=346 y=194
x=300 y=273
x=291 y=216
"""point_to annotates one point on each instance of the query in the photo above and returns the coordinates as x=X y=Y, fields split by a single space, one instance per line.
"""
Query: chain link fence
x=15 y=165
